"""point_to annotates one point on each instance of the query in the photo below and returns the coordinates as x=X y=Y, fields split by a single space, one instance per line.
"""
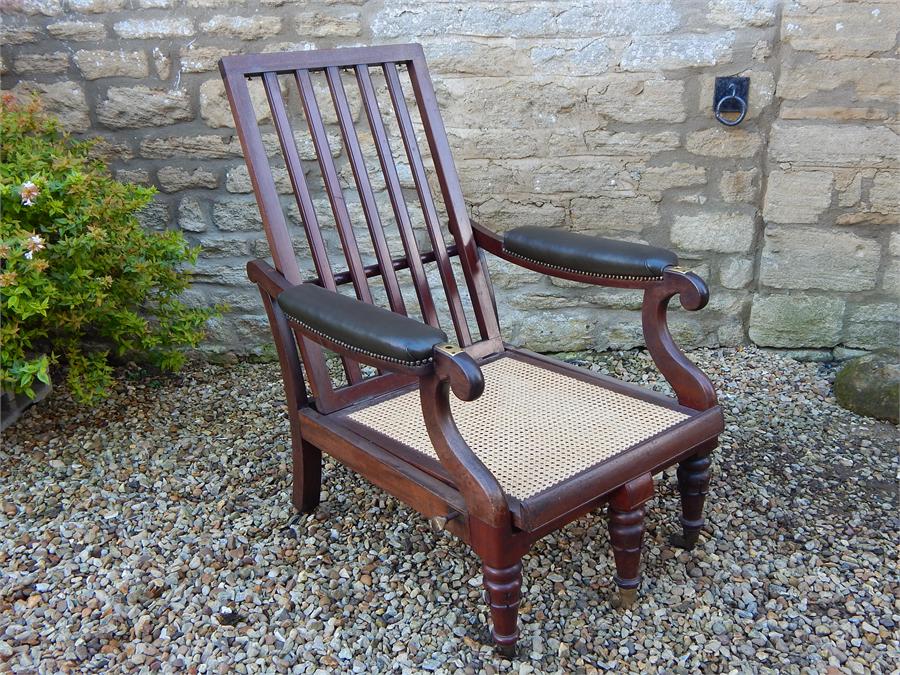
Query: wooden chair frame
x=472 y=505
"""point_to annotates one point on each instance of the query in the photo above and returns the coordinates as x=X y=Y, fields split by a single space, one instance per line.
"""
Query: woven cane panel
x=533 y=428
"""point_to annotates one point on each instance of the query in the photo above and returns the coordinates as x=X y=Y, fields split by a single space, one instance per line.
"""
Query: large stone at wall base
x=794 y=320
x=870 y=386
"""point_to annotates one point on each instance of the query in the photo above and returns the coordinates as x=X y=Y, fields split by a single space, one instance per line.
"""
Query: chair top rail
x=255 y=65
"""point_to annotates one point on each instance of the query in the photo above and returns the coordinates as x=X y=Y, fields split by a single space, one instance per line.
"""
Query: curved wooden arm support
x=480 y=490
x=691 y=385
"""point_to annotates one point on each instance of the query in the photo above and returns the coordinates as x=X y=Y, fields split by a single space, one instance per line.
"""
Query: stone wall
x=594 y=116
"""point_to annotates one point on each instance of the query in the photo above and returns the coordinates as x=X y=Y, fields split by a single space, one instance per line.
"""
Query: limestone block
x=872 y=326
x=467 y=57
x=891 y=282
x=736 y=272
x=711 y=231
x=654 y=180
x=842 y=28
x=403 y=18
x=797 y=196
x=174 y=178
x=146 y=29
x=721 y=142
x=739 y=186
x=602 y=142
x=236 y=215
x=870 y=78
x=204 y=146
x=41 y=64
x=163 y=62
x=796 y=320
x=65 y=100
x=237 y=180
x=320 y=24
x=894 y=246
x=136 y=107
x=77 y=31
x=216 y=111
x=35 y=7
x=587 y=56
x=610 y=19
x=192 y=215
x=612 y=214
x=804 y=111
x=196 y=59
x=884 y=195
x=95 y=64
x=806 y=258
x=95 y=6
x=626 y=98
x=503 y=213
x=18 y=35
x=678 y=51
x=242 y=27
x=154 y=216
x=136 y=176
x=834 y=145
x=742 y=13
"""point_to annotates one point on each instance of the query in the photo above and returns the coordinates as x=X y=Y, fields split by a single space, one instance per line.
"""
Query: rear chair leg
x=626 y=530
x=307 y=483
x=504 y=593
x=693 y=483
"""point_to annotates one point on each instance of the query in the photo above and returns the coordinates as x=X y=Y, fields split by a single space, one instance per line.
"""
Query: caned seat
x=536 y=428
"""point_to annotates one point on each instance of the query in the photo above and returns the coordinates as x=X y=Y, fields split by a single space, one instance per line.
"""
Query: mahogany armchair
x=525 y=444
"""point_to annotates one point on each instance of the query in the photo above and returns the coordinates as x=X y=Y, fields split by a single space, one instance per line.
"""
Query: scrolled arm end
x=465 y=376
x=692 y=291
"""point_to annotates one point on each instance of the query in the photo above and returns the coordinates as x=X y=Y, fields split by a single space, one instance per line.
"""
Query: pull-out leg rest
x=693 y=484
x=626 y=532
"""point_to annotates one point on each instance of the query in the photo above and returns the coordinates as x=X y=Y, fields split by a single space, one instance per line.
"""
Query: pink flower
x=28 y=192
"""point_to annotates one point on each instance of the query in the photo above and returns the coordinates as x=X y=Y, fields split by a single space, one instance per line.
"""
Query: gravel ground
x=155 y=533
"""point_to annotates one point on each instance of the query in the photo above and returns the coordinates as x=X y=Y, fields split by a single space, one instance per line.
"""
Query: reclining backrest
x=286 y=78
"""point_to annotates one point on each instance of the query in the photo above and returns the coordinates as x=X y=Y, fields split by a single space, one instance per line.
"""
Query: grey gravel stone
x=154 y=533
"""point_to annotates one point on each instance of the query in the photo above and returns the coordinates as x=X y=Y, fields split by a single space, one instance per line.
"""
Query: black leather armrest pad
x=587 y=254
x=359 y=326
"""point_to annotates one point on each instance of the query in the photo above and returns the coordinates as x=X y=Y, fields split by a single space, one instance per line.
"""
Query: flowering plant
x=80 y=279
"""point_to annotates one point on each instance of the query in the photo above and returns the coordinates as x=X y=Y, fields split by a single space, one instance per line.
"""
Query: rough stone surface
x=796 y=320
x=870 y=386
x=811 y=258
x=589 y=116
x=722 y=232
x=797 y=196
x=95 y=64
x=134 y=107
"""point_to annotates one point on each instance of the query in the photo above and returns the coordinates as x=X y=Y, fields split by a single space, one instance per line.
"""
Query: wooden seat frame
x=471 y=504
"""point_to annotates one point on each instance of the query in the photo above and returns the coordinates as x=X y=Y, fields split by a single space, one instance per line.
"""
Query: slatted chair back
x=295 y=72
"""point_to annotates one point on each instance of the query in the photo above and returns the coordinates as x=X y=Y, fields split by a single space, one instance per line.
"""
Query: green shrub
x=81 y=281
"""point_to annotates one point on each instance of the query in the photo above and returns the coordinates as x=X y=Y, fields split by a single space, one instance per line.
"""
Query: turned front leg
x=693 y=484
x=626 y=533
x=504 y=593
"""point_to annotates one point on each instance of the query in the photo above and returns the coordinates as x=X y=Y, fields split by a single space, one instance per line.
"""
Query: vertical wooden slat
x=456 y=207
x=307 y=215
x=395 y=191
x=261 y=178
x=408 y=134
x=364 y=187
x=332 y=185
